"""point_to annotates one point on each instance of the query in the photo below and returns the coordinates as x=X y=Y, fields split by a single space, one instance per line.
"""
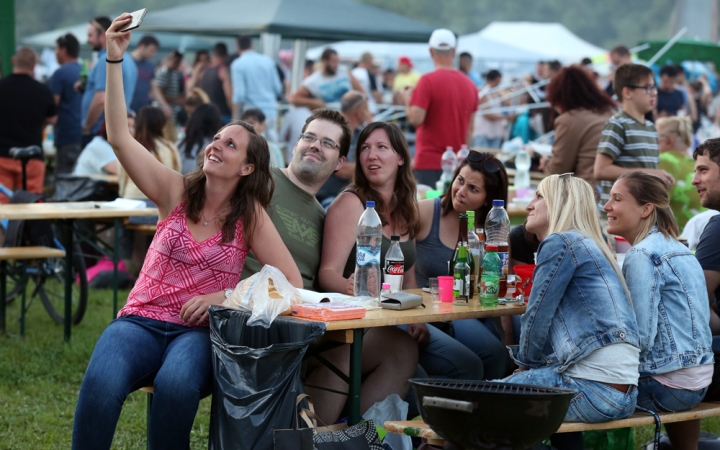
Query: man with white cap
x=442 y=108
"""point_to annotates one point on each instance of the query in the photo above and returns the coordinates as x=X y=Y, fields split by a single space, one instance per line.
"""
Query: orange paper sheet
x=328 y=311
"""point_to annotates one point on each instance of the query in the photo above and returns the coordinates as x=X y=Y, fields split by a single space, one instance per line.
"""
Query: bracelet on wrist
x=114 y=61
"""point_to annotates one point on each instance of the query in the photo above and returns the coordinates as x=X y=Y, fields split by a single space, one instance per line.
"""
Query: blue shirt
x=577 y=305
x=475 y=78
x=68 y=128
x=669 y=295
x=145 y=75
x=255 y=82
x=96 y=83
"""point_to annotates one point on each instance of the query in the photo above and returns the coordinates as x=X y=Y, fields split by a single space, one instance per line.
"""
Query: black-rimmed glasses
x=327 y=143
x=487 y=160
x=649 y=89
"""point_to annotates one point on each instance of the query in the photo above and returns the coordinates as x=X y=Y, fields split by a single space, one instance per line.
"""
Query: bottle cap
x=394 y=237
x=386 y=285
x=463 y=216
x=491 y=248
x=498 y=202
x=371 y=204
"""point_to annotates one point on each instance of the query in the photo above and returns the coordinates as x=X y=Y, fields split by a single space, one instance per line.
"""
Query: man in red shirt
x=442 y=107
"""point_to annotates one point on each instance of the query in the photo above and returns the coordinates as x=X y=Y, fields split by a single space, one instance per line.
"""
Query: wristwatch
x=228 y=292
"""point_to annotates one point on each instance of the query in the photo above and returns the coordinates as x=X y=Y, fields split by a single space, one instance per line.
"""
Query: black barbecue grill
x=490 y=415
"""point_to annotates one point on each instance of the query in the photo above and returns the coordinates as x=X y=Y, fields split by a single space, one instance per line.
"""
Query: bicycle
x=48 y=275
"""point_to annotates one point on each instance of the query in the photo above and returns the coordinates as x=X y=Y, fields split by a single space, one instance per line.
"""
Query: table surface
x=70 y=210
x=110 y=178
x=434 y=312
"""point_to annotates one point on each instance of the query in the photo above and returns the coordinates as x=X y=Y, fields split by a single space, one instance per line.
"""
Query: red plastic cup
x=445 y=288
x=524 y=279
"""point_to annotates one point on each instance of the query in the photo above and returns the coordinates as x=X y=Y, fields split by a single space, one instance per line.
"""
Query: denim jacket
x=577 y=304
x=668 y=291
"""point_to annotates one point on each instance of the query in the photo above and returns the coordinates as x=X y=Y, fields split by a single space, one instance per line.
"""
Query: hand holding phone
x=137 y=18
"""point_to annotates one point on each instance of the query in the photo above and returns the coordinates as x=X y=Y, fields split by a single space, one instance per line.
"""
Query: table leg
x=116 y=243
x=24 y=284
x=355 y=376
x=68 y=277
x=3 y=296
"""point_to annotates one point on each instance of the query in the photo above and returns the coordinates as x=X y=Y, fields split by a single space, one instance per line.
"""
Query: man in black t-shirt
x=26 y=107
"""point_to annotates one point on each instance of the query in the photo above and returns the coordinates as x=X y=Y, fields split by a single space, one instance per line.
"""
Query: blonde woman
x=579 y=308
x=674 y=139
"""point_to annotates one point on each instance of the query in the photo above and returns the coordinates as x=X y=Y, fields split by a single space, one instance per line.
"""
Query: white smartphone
x=137 y=18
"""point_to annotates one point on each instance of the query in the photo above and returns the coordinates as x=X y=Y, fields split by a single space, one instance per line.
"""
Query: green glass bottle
x=461 y=284
x=463 y=241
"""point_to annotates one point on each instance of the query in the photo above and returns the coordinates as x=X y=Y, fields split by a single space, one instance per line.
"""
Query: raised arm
x=338 y=240
x=161 y=184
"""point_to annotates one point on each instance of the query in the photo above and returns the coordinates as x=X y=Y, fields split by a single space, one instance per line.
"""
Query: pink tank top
x=178 y=268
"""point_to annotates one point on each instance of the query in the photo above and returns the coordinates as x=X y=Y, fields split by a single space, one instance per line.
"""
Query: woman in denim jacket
x=669 y=295
x=579 y=331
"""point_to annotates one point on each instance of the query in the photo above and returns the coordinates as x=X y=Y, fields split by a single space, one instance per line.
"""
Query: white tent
x=551 y=40
x=486 y=52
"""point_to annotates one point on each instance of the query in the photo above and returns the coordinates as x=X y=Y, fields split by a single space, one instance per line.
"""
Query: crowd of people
x=204 y=145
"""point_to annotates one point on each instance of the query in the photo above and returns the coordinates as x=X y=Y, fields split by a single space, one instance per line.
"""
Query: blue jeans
x=594 y=401
x=134 y=352
x=445 y=357
x=655 y=396
x=475 y=335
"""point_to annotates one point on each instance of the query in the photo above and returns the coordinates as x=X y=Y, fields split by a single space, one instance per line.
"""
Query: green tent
x=331 y=20
x=683 y=50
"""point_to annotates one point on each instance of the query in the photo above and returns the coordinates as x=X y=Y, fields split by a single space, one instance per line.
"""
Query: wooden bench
x=20 y=254
x=418 y=428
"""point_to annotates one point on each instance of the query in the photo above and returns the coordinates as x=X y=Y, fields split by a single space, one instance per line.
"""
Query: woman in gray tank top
x=480 y=179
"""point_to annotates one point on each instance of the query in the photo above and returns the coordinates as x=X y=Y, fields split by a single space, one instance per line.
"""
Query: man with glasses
x=320 y=150
x=629 y=142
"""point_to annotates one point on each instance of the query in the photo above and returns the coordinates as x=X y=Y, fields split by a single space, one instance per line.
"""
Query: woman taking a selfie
x=208 y=222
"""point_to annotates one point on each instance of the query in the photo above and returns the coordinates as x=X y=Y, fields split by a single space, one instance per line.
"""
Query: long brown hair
x=646 y=188
x=405 y=210
x=256 y=187
x=495 y=183
x=149 y=126
x=572 y=88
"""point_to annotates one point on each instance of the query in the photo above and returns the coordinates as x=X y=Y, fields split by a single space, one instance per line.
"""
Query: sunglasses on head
x=486 y=160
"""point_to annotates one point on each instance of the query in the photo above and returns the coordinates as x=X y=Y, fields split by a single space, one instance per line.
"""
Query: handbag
x=362 y=436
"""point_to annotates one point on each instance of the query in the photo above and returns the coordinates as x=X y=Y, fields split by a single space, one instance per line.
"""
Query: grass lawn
x=40 y=378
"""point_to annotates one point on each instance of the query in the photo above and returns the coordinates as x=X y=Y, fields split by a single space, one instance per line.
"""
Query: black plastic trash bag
x=257 y=377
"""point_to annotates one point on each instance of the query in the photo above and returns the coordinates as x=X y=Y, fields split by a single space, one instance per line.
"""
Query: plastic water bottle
x=497 y=231
x=394 y=266
x=490 y=279
x=462 y=153
x=448 y=162
x=367 y=256
x=474 y=245
x=522 y=169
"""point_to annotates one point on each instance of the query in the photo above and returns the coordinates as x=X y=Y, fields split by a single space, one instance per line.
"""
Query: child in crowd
x=256 y=118
x=209 y=221
x=629 y=141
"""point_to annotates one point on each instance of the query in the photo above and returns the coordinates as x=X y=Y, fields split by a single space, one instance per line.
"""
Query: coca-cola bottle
x=394 y=265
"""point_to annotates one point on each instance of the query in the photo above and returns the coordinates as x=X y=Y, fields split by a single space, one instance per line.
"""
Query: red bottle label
x=394 y=267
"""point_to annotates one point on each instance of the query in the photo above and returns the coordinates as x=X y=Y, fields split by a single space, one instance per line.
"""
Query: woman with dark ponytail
x=668 y=291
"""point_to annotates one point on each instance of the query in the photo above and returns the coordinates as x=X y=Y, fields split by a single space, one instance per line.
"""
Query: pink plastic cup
x=445 y=288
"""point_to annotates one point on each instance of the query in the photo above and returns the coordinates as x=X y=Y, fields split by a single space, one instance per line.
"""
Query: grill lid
x=491 y=387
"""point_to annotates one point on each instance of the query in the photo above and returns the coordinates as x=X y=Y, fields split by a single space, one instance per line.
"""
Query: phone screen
x=137 y=18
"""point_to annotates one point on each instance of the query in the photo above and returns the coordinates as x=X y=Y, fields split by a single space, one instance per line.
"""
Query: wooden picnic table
x=351 y=331
x=66 y=214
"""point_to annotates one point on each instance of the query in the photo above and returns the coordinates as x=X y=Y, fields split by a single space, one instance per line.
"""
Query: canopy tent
x=485 y=52
x=683 y=50
x=168 y=41
x=551 y=40
x=293 y=19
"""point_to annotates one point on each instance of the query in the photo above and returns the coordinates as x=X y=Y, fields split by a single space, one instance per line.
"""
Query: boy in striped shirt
x=629 y=142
